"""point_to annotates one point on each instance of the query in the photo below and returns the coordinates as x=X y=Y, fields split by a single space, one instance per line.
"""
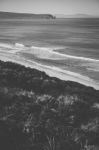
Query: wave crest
x=41 y=51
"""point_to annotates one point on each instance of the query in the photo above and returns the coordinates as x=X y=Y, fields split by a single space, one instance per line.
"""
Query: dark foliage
x=38 y=112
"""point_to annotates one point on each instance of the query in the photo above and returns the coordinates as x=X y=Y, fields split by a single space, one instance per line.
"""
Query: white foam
x=42 y=51
x=41 y=48
x=19 y=45
x=5 y=45
x=53 y=51
x=12 y=48
x=76 y=57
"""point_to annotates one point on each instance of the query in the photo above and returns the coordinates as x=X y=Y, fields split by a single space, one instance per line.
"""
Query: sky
x=67 y=7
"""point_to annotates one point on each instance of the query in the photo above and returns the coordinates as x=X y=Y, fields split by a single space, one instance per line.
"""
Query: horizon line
x=76 y=14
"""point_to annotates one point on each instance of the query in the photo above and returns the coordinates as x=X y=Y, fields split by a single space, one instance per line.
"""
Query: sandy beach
x=52 y=71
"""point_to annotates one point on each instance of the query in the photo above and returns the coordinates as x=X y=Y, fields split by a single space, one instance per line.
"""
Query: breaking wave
x=42 y=50
x=9 y=49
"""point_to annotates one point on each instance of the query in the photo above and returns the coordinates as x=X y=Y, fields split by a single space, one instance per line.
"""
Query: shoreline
x=44 y=52
x=51 y=71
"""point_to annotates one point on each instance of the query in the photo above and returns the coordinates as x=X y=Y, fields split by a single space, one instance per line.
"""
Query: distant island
x=12 y=15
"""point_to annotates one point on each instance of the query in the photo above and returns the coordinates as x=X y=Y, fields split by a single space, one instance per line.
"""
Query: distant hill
x=11 y=15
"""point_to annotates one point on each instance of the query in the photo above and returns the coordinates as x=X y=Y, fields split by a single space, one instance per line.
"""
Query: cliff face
x=10 y=15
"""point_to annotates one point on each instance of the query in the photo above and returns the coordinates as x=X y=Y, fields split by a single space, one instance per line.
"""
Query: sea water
x=65 y=44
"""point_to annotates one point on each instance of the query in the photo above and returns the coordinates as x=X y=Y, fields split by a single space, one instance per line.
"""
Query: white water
x=42 y=50
x=11 y=52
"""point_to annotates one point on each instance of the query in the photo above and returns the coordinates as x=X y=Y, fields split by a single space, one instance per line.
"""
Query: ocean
x=66 y=45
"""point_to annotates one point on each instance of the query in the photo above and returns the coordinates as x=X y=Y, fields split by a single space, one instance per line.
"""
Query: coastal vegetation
x=38 y=112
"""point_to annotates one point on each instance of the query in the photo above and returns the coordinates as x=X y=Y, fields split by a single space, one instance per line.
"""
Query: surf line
x=18 y=47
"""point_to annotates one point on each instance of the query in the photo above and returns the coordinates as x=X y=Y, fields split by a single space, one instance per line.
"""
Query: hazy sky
x=51 y=6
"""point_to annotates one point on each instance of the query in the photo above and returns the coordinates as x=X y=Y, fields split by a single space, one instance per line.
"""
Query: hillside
x=11 y=15
x=38 y=112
